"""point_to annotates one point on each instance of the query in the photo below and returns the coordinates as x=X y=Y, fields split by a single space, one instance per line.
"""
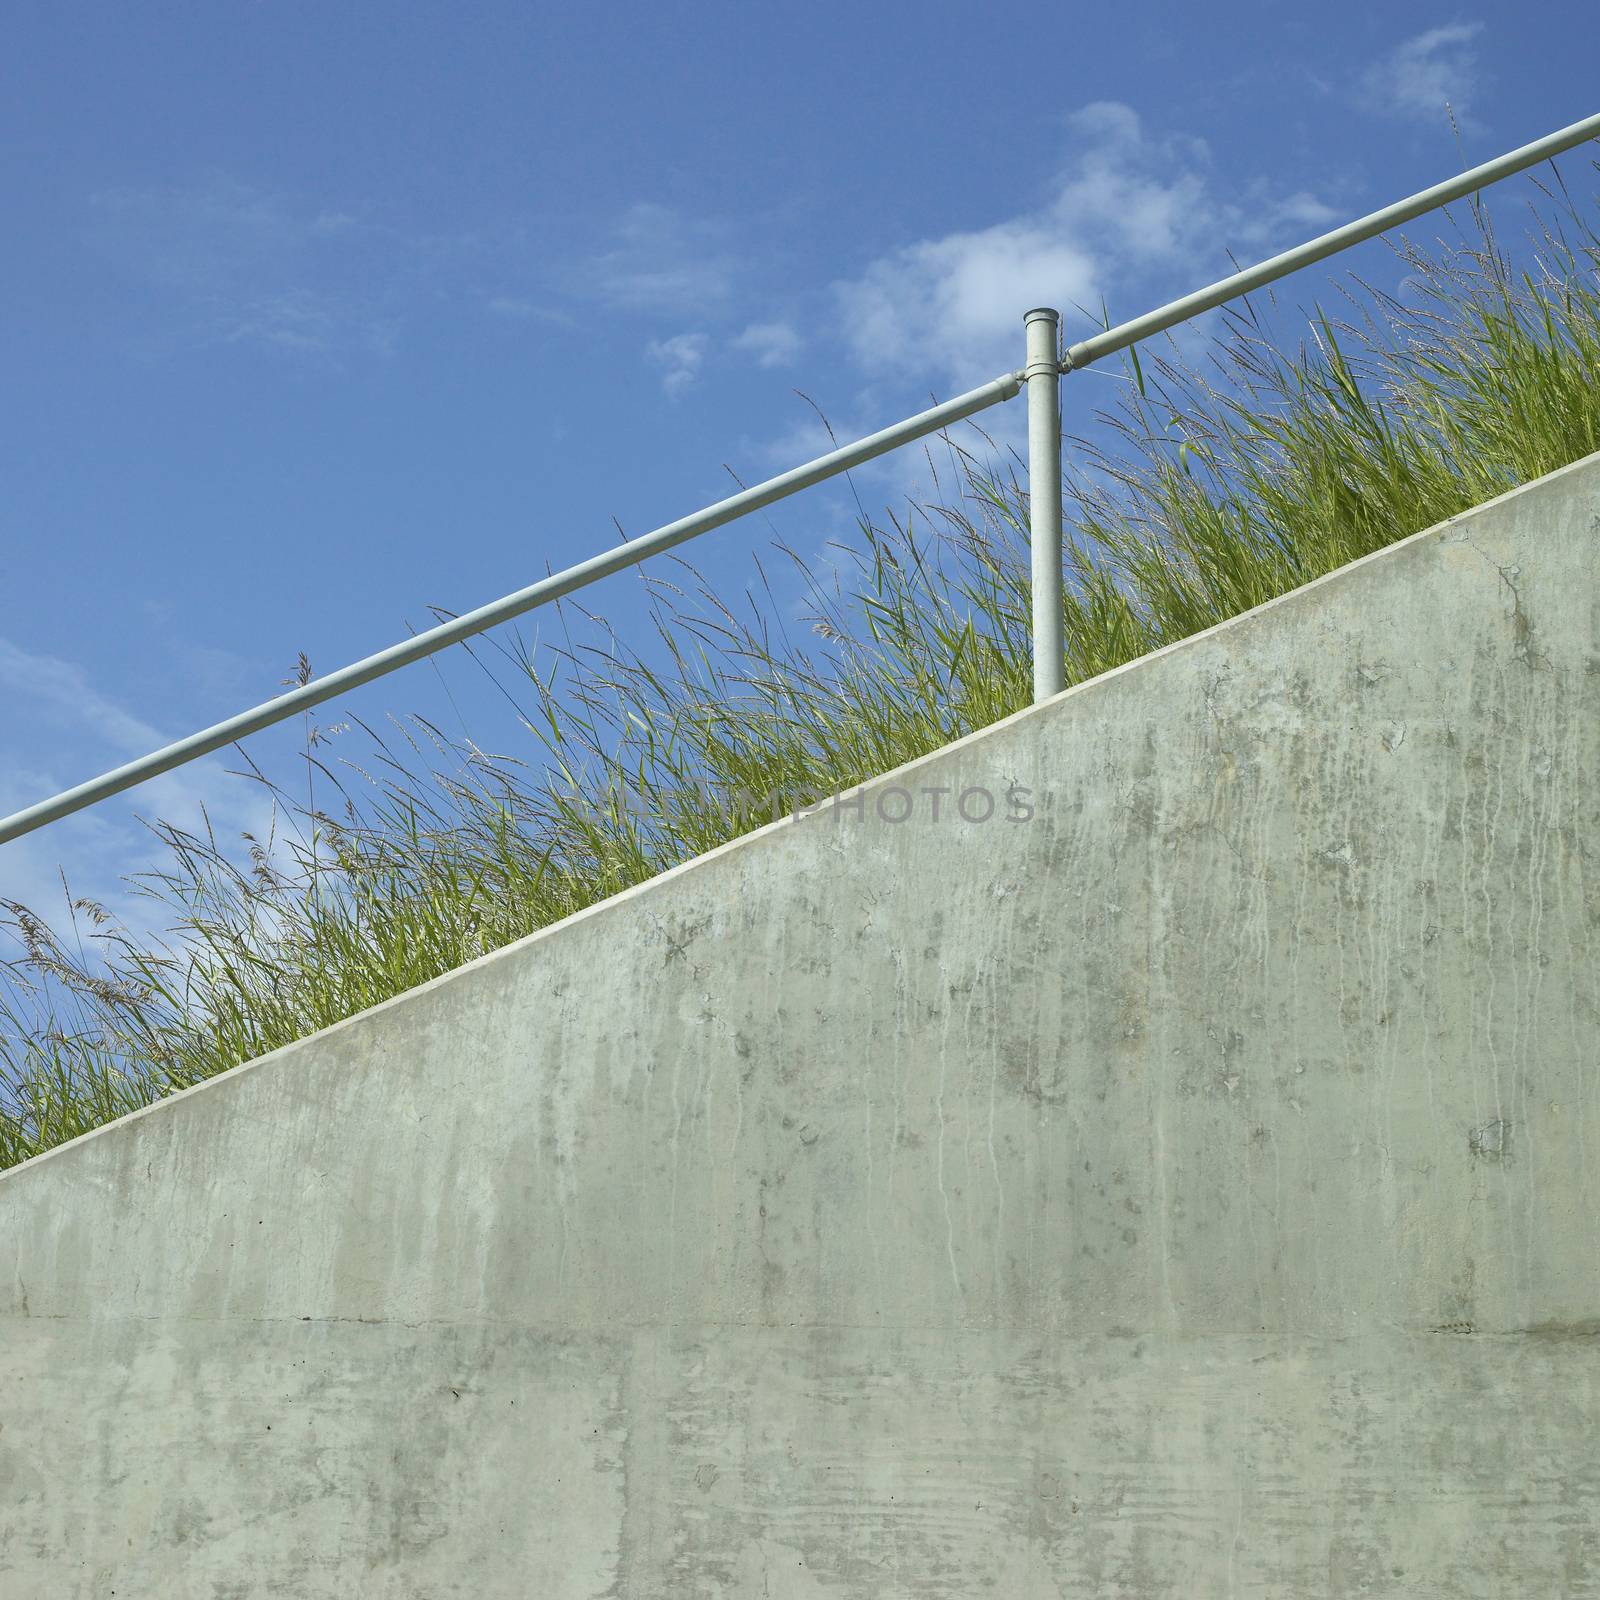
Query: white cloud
x=1128 y=209
x=1424 y=75
x=773 y=344
x=680 y=358
x=954 y=302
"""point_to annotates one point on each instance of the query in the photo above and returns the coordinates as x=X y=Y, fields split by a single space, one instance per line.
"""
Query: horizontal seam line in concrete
x=1545 y=1333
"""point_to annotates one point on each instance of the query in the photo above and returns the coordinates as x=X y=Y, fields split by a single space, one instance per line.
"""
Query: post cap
x=1039 y=313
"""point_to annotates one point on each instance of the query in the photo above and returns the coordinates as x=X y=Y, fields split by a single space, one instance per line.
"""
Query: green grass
x=1213 y=488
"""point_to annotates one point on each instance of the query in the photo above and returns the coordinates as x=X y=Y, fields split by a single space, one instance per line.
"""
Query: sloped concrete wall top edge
x=907 y=775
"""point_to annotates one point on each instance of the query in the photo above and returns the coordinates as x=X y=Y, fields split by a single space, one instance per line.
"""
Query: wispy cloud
x=240 y=265
x=1126 y=207
x=521 y=308
x=680 y=359
x=62 y=691
x=61 y=728
x=1426 y=75
x=661 y=264
x=773 y=344
x=661 y=260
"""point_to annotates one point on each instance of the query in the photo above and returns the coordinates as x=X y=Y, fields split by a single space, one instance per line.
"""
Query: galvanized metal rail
x=1041 y=375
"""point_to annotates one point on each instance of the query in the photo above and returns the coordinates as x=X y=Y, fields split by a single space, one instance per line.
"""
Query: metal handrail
x=1041 y=375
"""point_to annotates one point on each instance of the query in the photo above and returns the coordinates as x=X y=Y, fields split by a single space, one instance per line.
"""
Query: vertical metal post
x=1043 y=378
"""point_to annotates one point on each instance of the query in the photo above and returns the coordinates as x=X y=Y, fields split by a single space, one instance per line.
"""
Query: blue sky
x=318 y=316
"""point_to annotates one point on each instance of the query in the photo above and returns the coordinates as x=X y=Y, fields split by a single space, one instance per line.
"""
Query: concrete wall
x=1190 y=1192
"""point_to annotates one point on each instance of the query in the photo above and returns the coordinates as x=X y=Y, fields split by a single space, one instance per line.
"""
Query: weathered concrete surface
x=1191 y=1192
